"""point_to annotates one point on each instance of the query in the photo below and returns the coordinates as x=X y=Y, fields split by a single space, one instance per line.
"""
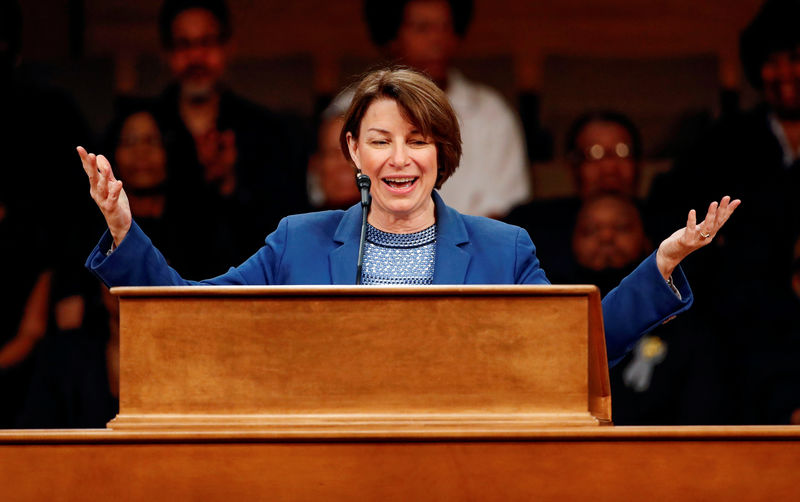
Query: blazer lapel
x=344 y=259
x=452 y=260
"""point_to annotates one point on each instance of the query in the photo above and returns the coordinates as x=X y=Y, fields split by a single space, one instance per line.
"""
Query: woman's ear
x=352 y=146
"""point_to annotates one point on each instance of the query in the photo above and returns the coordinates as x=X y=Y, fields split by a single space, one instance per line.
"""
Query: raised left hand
x=695 y=235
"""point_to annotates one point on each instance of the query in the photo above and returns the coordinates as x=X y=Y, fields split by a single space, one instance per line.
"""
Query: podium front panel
x=332 y=353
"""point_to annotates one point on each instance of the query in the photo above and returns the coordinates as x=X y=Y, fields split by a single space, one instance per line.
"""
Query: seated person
x=247 y=160
x=672 y=377
x=401 y=131
x=426 y=35
x=330 y=177
x=75 y=382
x=25 y=313
x=608 y=241
x=75 y=375
x=604 y=152
x=135 y=141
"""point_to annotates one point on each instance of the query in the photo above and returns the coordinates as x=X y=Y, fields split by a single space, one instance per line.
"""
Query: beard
x=786 y=107
x=197 y=83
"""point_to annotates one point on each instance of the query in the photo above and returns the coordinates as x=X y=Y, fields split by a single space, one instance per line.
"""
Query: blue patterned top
x=393 y=259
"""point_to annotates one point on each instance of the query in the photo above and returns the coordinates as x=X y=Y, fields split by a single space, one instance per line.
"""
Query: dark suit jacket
x=322 y=248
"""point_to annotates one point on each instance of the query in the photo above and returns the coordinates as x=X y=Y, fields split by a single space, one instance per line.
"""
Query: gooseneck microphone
x=363 y=183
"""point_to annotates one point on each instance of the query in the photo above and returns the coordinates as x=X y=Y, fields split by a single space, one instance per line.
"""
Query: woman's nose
x=400 y=155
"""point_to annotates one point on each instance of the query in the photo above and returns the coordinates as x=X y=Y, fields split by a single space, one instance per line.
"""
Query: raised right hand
x=107 y=192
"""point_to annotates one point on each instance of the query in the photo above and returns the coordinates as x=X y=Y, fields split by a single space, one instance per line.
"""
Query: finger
x=691 y=223
x=114 y=190
x=707 y=226
x=102 y=177
x=728 y=210
x=87 y=166
x=731 y=206
x=722 y=212
x=101 y=159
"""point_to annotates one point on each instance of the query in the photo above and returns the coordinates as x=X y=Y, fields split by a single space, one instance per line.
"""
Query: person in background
x=137 y=147
x=604 y=154
x=24 y=318
x=245 y=159
x=425 y=35
x=671 y=377
x=331 y=178
x=608 y=240
x=75 y=378
x=745 y=275
x=38 y=233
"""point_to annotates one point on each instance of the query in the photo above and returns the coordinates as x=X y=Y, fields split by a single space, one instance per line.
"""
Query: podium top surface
x=540 y=434
x=327 y=290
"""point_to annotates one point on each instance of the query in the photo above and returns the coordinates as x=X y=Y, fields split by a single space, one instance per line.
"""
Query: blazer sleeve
x=137 y=262
x=527 y=269
x=640 y=303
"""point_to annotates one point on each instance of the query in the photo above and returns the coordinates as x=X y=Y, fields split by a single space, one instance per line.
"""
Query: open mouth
x=400 y=183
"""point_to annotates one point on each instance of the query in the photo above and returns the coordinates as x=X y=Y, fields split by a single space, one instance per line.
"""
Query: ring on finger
x=705 y=235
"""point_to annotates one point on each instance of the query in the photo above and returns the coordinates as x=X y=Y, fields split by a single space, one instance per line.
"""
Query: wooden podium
x=380 y=361
x=435 y=393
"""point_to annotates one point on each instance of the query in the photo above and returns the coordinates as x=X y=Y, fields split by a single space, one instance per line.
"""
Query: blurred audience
x=75 y=381
x=41 y=227
x=672 y=375
x=744 y=282
x=136 y=148
x=331 y=178
x=425 y=34
x=608 y=241
x=252 y=159
x=732 y=359
x=25 y=313
x=604 y=151
x=772 y=383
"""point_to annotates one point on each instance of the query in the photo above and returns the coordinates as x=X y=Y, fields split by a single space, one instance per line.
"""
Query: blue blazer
x=322 y=248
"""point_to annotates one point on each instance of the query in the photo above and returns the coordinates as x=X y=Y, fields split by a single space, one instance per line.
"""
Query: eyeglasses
x=596 y=153
x=204 y=42
x=146 y=140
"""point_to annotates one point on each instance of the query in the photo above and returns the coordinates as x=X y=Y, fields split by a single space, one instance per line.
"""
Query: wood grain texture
x=601 y=463
x=361 y=358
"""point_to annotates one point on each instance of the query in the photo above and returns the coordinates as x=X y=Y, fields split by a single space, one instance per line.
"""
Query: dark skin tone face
x=198 y=57
x=606 y=160
x=608 y=234
x=427 y=39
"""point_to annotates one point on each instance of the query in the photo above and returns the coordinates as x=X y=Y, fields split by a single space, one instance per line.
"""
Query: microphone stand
x=363 y=182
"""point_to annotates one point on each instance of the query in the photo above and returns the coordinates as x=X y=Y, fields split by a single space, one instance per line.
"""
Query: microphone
x=363 y=183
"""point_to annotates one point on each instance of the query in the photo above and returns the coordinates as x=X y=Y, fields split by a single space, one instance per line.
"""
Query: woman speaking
x=402 y=133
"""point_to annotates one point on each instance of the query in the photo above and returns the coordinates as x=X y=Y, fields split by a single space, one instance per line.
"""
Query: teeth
x=399 y=180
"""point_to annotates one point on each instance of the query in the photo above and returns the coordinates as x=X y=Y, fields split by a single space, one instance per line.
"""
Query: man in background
x=425 y=34
x=745 y=274
x=604 y=155
x=248 y=161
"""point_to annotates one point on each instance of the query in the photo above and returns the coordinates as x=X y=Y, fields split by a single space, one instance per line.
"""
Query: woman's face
x=140 y=157
x=401 y=163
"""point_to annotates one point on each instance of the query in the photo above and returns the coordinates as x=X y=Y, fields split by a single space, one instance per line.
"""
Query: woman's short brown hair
x=421 y=102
